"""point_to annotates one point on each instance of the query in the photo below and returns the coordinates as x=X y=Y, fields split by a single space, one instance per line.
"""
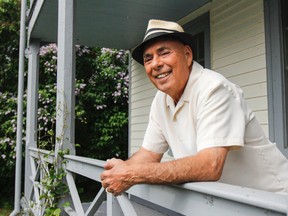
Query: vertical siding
x=238 y=49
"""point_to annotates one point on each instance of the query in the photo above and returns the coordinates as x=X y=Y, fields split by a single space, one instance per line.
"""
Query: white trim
x=202 y=10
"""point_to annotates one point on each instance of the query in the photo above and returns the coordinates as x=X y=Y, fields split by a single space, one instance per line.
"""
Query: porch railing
x=205 y=198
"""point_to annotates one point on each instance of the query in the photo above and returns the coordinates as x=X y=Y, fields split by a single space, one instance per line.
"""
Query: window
x=284 y=10
x=276 y=37
x=198 y=48
x=200 y=29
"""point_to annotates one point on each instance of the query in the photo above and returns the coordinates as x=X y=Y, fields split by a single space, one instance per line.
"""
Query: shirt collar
x=193 y=77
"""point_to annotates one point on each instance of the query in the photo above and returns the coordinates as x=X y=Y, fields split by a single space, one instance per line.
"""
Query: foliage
x=101 y=99
x=106 y=116
x=53 y=188
x=9 y=43
x=8 y=122
x=9 y=37
x=101 y=91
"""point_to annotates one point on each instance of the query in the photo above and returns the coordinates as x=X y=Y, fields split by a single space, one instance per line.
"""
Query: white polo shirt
x=212 y=112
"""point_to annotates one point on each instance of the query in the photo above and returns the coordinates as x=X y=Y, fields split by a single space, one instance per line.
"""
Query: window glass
x=200 y=29
x=198 y=48
x=284 y=9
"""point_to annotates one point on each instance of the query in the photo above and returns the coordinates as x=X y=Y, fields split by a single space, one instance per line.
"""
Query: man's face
x=168 y=63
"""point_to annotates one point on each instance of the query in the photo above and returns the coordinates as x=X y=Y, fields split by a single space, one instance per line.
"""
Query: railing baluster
x=74 y=194
x=116 y=205
x=126 y=205
x=113 y=208
x=101 y=196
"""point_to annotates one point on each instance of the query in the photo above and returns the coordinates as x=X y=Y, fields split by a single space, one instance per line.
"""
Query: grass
x=5 y=212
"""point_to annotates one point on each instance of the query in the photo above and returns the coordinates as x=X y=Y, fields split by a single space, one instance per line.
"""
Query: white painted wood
x=202 y=198
x=74 y=194
x=126 y=206
x=248 y=65
x=32 y=107
x=241 y=55
x=238 y=46
x=144 y=102
x=95 y=205
x=213 y=198
x=142 y=94
x=256 y=90
x=238 y=49
x=258 y=103
x=140 y=111
x=249 y=79
x=65 y=110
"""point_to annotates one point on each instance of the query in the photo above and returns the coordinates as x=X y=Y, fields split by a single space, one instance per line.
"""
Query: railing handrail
x=206 y=195
x=259 y=198
x=262 y=199
x=203 y=196
x=91 y=161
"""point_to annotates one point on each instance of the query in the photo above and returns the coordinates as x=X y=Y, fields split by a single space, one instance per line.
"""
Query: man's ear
x=188 y=55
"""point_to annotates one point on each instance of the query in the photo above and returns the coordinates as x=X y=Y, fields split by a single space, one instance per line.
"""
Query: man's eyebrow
x=160 y=49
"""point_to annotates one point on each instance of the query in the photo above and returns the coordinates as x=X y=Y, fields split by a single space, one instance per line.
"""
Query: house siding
x=237 y=52
x=142 y=93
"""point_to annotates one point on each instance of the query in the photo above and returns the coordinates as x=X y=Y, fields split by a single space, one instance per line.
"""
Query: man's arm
x=144 y=167
x=144 y=156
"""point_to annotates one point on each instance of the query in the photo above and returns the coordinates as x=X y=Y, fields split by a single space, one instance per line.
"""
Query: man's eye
x=165 y=53
x=146 y=60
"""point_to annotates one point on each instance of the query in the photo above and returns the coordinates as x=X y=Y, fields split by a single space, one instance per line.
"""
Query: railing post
x=65 y=107
x=113 y=208
x=32 y=107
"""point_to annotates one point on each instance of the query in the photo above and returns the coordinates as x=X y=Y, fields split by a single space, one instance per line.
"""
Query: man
x=202 y=117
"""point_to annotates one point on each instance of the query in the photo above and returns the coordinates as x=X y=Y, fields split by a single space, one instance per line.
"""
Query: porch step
x=141 y=210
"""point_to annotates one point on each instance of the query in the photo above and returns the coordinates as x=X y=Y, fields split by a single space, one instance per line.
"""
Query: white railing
x=86 y=167
x=213 y=198
x=92 y=168
x=205 y=198
x=33 y=202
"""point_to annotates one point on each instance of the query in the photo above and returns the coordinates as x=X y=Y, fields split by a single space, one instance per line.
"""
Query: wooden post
x=32 y=107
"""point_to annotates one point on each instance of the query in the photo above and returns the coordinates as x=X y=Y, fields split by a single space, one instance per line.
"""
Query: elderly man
x=202 y=117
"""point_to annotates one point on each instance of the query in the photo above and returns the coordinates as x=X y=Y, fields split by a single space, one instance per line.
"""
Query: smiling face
x=168 y=64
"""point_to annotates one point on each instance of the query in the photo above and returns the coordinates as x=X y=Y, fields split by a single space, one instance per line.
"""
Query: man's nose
x=157 y=63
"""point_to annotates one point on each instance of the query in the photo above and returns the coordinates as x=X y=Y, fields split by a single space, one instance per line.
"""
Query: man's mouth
x=160 y=76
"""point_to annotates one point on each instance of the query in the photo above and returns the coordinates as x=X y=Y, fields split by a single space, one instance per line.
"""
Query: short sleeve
x=154 y=139
x=220 y=118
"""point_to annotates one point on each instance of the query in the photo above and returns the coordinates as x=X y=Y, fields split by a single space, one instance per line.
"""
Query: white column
x=32 y=107
x=65 y=107
x=17 y=195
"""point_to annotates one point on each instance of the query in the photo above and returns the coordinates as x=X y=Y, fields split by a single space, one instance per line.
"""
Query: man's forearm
x=205 y=166
x=144 y=156
x=120 y=175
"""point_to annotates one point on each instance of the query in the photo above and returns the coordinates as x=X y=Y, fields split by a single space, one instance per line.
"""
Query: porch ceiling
x=110 y=23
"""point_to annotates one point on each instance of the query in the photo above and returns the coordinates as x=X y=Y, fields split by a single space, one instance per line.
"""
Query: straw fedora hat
x=160 y=28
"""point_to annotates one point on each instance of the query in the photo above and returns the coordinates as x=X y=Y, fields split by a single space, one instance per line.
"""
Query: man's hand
x=117 y=177
x=120 y=175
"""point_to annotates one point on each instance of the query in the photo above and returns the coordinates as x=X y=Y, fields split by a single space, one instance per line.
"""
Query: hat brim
x=183 y=37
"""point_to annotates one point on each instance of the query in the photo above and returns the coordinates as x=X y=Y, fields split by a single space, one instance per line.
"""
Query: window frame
x=198 y=25
x=277 y=104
